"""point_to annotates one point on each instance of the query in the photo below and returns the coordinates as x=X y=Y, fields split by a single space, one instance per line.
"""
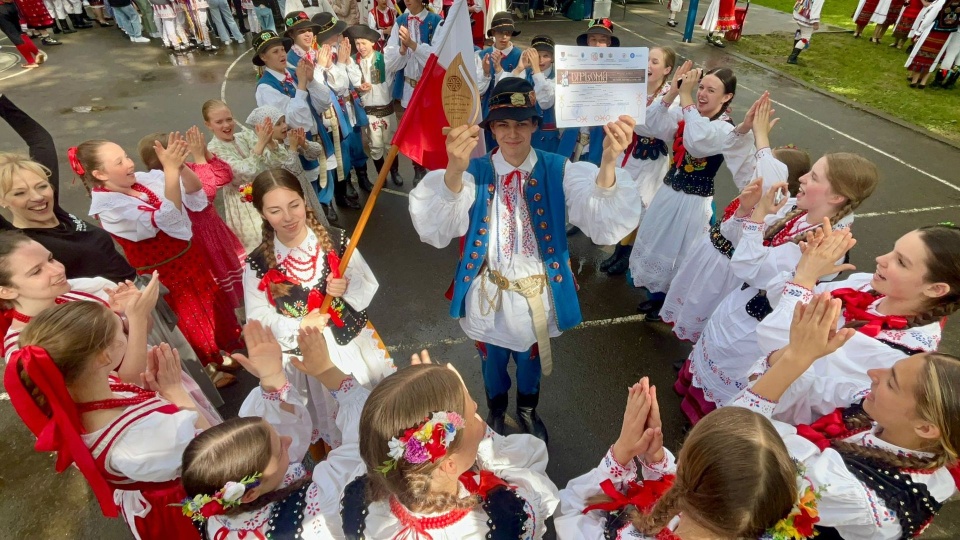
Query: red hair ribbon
x=855 y=304
x=74 y=162
x=59 y=432
x=274 y=276
x=679 y=151
x=488 y=481
x=826 y=428
x=643 y=495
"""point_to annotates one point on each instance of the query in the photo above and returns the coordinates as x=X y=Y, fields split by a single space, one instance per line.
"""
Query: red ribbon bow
x=643 y=495
x=59 y=431
x=315 y=297
x=679 y=152
x=855 y=304
x=488 y=481
x=824 y=430
x=74 y=162
x=274 y=276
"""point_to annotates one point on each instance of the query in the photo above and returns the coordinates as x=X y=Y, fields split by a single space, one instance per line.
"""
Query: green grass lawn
x=858 y=70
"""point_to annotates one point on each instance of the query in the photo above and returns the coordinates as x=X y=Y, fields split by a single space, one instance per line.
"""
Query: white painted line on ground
x=907 y=211
x=831 y=128
x=395 y=192
x=18 y=73
x=586 y=324
x=226 y=76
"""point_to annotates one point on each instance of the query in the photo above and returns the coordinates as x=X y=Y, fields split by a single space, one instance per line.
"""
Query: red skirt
x=694 y=405
x=927 y=55
x=35 y=14
x=727 y=16
x=894 y=12
x=868 y=8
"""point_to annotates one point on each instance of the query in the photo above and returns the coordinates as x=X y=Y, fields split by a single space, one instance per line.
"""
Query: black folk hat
x=513 y=99
x=264 y=40
x=328 y=25
x=362 y=31
x=502 y=22
x=298 y=20
x=599 y=26
x=542 y=43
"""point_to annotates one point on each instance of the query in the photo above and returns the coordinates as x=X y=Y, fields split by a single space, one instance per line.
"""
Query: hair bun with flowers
x=799 y=523
x=203 y=506
x=427 y=441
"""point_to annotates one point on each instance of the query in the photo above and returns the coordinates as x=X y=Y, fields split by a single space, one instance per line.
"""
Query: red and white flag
x=420 y=134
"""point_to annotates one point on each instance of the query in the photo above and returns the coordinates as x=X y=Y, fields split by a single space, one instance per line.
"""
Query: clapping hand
x=140 y=304
x=750 y=197
x=813 y=331
x=264 y=131
x=264 y=359
x=768 y=204
x=174 y=155
x=819 y=258
x=325 y=56
x=197 y=144
x=641 y=434
x=344 y=50
x=313 y=348
x=163 y=373
x=762 y=122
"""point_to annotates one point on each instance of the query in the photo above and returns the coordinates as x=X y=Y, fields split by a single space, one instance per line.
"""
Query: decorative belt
x=379 y=110
x=689 y=183
x=531 y=288
x=140 y=269
x=719 y=241
x=759 y=306
x=411 y=82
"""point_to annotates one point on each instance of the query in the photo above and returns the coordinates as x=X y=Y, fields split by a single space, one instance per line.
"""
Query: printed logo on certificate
x=595 y=85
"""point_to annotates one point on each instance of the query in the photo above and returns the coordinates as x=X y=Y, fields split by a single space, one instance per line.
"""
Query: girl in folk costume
x=905 y=23
x=10 y=26
x=247 y=152
x=433 y=469
x=768 y=245
x=807 y=15
x=126 y=440
x=375 y=94
x=897 y=311
x=871 y=11
x=381 y=18
x=705 y=278
x=146 y=213
x=703 y=137
x=290 y=145
x=245 y=479
x=881 y=465
x=37 y=19
x=720 y=18
x=536 y=65
x=31 y=281
x=941 y=22
x=286 y=279
x=647 y=158
x=893 y=14
x=949 y=71
x=222 y=248
x=640 y=491
x=169 y=20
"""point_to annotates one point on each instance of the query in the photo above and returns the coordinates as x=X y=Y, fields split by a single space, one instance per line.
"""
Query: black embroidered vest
x=294 y=303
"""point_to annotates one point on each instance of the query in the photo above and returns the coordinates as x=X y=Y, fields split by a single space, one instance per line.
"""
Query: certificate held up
x=595 y=85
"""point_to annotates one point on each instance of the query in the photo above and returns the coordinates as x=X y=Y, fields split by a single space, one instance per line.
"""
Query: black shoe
x=351 y=195
x=56 y=29
x=651 y=309
x=330 y=212
x=363 y=179
x=609 y=261
x=418 y=174
x=78 y=21
x=527 y=416
x=620 y=266
x=497 y=407
x=793 y=56
x=104 y=24
x=572 y=230
x=396 y=178
x=211 y=48
x=951 y=81
x=672 y=23
x=48 y=40
x=938 y=79
x=65 y=26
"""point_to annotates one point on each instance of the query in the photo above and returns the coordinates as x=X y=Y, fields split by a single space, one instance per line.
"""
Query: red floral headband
x=74 y=162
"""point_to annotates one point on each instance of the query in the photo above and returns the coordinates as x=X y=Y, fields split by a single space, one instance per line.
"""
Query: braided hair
x=852 y=176
x=266 y=182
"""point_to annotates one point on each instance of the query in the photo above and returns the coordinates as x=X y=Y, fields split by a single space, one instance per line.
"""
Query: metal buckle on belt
x=583 y=138
x=497 y=279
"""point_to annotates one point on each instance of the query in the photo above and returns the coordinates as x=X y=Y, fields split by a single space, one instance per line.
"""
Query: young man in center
x=514 y=287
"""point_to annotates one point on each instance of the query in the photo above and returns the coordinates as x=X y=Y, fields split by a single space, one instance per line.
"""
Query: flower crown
x=202 y=506
x=427 y=441
x=798 y=524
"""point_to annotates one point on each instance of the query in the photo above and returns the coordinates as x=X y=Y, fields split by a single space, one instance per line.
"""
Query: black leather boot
x=78 y=21
x=395 y=173
x=363 y=179
x=342 y=196
x=497 y=407
x=622 y=263
x=938 y=79
x=330 y=212
x=793 y=56
x=65 y=26
x=527 y=416
x=418 y=174
x=951 y=79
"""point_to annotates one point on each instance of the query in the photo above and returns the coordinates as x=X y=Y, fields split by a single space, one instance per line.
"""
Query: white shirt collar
x=506 y=51
x=305 y=247
x=502 y=167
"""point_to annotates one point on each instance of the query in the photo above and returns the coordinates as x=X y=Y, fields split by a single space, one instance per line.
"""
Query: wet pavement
x=132 y=90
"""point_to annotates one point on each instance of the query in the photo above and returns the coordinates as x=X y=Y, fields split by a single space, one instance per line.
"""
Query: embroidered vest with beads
x=507 y=515
x=294 y=303
x=693 y=176
x=543 y=195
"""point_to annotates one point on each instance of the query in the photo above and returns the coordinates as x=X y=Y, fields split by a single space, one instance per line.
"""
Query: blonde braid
x=660 y=515
x=894 y=460
x=276 y=289
x=417 y=496
x=781 y=223
x=933 y=314
x=323 y=235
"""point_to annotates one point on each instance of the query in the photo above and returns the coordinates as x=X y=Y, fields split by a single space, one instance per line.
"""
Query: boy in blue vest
x=536 y=65
x=406 y=54
x=514 y=286
x=296 y=93
x=498 y=60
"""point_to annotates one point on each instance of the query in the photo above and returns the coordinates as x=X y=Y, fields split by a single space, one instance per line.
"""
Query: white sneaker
x=140 y=39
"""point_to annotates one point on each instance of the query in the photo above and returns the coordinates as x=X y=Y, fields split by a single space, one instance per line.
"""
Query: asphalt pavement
x=99 y=85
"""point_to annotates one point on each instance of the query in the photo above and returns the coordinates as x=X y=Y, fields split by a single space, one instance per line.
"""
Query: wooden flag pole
x=364 y=218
